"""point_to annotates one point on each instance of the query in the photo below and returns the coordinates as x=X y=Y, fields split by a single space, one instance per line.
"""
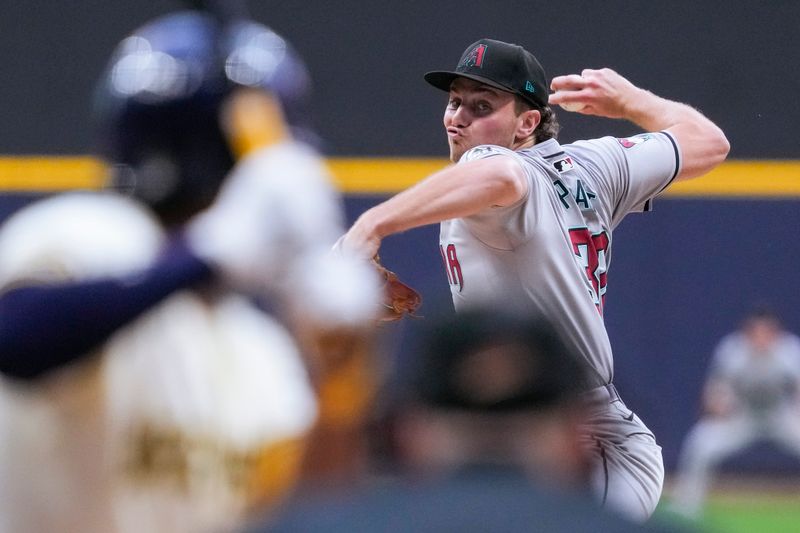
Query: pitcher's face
x=478 y=114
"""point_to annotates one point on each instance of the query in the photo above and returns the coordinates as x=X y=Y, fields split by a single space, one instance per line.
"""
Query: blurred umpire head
x=161 y=103
x=491 y=387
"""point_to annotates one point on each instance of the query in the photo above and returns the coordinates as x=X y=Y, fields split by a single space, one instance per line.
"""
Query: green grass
x=758 y=514
x=744 y=511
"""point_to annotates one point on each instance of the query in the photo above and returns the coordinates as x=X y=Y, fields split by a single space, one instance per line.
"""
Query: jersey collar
x=546 y=149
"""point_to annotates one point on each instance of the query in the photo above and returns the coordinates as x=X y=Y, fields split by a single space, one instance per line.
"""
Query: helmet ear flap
x=252 y=119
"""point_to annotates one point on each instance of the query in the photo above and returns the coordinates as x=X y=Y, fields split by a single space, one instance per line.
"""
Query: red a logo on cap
x=475 y=57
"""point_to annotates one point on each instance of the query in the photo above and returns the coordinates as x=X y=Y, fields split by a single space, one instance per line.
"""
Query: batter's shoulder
x=77 y=236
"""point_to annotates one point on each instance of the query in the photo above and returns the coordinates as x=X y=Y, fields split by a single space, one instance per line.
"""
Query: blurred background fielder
x=752 y=393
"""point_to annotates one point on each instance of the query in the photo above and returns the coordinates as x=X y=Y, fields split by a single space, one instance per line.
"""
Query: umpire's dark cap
x=492 y=361
x=501 y=65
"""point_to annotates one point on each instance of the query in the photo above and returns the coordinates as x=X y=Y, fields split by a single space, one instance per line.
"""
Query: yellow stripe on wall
x=38 y=174
x=383 y=176
x=761 y=178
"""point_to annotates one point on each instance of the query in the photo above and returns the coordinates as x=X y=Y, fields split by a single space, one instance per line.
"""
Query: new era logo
x=529 y=87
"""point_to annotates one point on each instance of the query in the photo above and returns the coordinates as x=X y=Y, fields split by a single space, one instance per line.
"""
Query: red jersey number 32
x=591 y=252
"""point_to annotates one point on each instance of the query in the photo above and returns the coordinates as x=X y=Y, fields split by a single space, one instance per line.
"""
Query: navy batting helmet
x=158 y=104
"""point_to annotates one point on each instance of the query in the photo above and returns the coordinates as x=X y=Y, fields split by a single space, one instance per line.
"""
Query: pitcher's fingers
x=565 y=97
x=570 y=82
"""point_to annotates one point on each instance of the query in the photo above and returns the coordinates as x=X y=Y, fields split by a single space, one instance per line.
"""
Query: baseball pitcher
x=527 y=222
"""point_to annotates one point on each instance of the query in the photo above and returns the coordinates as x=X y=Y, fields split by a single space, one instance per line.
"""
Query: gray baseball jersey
x=760 y=381
x=552 y=249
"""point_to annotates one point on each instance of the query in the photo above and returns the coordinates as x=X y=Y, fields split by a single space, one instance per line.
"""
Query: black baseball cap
x=501 y=65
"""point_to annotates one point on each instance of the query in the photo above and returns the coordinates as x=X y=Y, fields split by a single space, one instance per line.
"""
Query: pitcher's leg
x=628 y=474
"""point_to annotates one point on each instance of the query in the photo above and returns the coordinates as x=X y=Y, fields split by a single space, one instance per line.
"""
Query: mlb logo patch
x=630 y=142
x=563 y=165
